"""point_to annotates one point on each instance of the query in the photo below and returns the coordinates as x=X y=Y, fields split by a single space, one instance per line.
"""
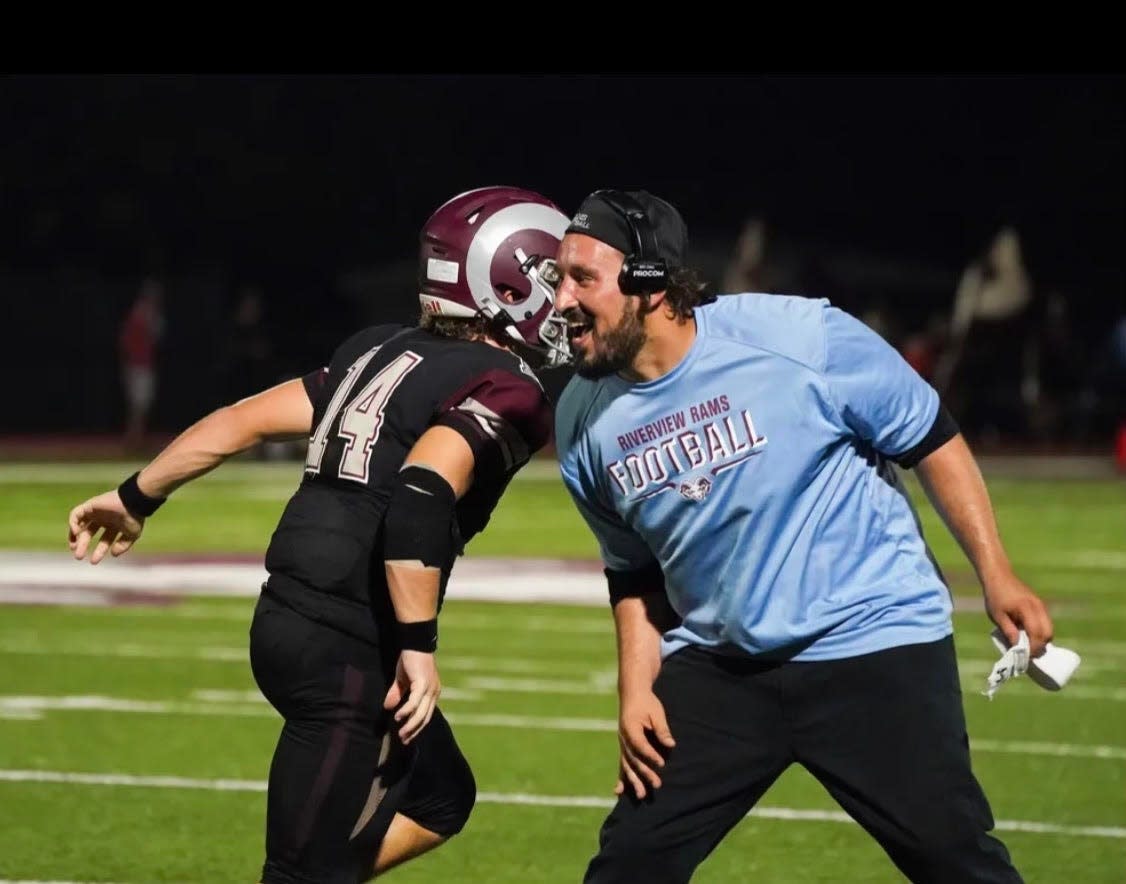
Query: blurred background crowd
x=171 y=243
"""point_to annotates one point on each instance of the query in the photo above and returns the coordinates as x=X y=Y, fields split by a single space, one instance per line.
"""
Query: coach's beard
x=607 y=354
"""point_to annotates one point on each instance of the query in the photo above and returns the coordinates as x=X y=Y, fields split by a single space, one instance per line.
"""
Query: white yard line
x=1061 y=750
x=601 y=626
x=31 y=707
x=1002 y=747
x=496 y=675
x=512 y=798
x=250 y=704
x=56 y=578
x=501 y=666
x=138 y=652
x=504 y=685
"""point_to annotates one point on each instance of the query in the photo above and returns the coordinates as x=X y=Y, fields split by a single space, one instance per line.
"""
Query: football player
x=414 y=433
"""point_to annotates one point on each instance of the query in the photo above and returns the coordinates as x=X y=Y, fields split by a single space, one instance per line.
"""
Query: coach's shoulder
x=573 y=404
x=788 y=325
x=577 y=410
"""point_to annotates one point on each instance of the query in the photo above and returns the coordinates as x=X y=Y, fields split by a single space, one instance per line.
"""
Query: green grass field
x=133 y=743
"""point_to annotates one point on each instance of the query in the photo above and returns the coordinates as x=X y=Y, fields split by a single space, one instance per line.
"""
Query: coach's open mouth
x=578 y=324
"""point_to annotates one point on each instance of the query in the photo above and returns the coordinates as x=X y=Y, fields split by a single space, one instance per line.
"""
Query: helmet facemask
x=552 y=349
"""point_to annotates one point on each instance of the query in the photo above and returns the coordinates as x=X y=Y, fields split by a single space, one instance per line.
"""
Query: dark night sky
x=297 y=181
x=302 y=172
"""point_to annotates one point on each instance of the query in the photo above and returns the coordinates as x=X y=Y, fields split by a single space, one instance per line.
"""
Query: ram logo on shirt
x=696 y=489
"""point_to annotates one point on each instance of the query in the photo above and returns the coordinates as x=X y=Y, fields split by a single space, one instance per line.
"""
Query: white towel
x=1013 y=662
x=1051 y=670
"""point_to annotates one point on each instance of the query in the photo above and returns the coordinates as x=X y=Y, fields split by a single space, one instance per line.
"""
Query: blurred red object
x=921 y=353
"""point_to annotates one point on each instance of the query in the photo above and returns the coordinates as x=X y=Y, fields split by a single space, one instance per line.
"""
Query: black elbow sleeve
x=421 y=523
x=631 y=584
x=942 y=431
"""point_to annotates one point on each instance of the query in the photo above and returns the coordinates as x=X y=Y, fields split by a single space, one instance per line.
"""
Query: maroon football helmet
x=491 y=252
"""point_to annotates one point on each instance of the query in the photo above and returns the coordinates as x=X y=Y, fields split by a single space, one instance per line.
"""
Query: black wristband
x=139 y=504
x=420 y=636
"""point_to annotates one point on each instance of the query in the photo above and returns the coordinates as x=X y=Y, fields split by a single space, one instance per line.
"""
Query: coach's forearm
x=639 y=622
x=953 y=482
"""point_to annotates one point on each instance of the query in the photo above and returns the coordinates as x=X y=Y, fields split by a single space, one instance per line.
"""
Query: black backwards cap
x=598 y=218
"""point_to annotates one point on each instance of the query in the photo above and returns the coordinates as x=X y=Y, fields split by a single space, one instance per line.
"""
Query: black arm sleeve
x=942 y=431
x=630 y=584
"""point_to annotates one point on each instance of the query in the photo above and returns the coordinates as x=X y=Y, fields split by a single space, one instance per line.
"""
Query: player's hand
x=105 y=513
x=645 y=738
x=1013 y=606
x=416 y=678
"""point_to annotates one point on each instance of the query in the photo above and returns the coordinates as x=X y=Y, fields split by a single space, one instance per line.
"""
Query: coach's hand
x=1013 y=606
x=105 y=513
x=416 y=678
x=645 y=739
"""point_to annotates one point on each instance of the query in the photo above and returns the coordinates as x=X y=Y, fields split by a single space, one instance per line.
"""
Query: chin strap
x=553 y=352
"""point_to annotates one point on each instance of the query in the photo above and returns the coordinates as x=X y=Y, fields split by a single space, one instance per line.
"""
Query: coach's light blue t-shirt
x=753 y=473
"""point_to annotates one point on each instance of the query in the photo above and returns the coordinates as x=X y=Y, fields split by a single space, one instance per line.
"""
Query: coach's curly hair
x=686 y=290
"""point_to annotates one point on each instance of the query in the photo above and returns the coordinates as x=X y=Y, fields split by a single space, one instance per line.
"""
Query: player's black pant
x=884 y=733
x=338 y=776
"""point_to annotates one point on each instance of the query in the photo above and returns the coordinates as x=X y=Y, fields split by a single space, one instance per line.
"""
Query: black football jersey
x=383 y=389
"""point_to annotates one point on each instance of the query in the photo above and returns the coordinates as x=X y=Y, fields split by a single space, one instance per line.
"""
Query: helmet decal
x=489 y=252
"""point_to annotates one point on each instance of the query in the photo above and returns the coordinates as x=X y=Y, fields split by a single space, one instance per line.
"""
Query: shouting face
x=605 y=327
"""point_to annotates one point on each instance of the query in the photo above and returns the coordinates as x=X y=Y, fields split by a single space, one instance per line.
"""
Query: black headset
x=644 y=271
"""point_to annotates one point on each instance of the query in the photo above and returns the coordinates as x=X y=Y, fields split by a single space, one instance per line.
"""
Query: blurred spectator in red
x=923 y=349
x=137 y=342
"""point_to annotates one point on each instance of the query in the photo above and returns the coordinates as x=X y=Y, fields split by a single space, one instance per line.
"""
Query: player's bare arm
x=436 y=473
x=643 y=731
x=953 y=482
x=281 y=412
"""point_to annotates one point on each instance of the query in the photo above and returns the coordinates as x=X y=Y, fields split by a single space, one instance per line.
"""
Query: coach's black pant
x=884 y=733
x=338 y=775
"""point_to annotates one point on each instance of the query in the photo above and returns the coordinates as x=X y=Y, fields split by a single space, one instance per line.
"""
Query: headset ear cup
x=626 y=282
x=641 y=277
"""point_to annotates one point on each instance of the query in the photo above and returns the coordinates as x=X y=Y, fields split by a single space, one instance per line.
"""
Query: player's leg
x=438 y=799
x=731 y=744
x=405 y=840
x=336 y=774
x=886 y=735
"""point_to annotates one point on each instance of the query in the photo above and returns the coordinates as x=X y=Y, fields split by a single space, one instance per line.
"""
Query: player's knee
x=462 y=799
x=447 y=813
